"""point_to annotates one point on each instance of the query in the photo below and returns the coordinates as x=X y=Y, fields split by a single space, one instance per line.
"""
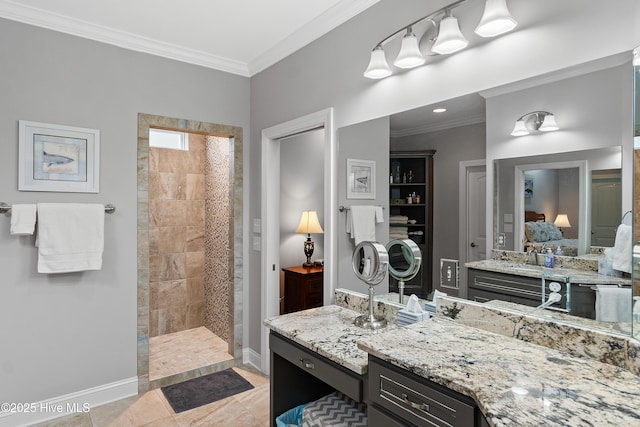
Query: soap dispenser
x=548 y=258
x=559 y=251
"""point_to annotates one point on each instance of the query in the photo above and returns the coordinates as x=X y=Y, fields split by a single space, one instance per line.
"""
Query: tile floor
x=184 y=351
x=247 y=409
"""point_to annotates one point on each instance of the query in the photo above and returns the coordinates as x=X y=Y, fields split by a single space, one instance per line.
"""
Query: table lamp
x=309 y=224
x=562 y=221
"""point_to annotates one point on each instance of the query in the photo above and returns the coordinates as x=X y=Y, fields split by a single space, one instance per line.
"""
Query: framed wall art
x=361 y=179
x=58 y=158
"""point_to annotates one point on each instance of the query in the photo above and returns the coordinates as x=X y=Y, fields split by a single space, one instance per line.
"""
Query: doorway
x=270 y=215
x=161 y=221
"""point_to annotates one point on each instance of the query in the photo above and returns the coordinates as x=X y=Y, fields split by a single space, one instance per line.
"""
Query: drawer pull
x=419 y=406
x=308 y=365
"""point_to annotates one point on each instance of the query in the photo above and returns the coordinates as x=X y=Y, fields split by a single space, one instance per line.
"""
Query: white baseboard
x=82 y=401
x=251 y=357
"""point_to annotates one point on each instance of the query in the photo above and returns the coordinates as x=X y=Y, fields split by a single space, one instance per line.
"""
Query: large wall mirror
x=636 y=201
x=583 y=171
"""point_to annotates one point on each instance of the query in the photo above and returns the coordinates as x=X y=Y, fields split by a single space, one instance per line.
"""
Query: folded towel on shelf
x=398 y=219
x=621 y=252
x=23 y=219
x=70 y=237
x=613 y=304
x=361 y=222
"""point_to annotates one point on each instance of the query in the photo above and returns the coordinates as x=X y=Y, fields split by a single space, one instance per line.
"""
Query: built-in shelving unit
x=411 y=173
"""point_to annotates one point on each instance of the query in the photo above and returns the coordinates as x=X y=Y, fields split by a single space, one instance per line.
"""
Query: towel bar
x=347 y=208
x=4 y=208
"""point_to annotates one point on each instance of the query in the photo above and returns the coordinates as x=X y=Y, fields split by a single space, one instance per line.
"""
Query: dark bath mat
x=202 y=390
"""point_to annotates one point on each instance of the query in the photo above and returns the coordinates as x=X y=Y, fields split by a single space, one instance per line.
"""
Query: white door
x=606 y=212
x=476 y=241
x=472 y=239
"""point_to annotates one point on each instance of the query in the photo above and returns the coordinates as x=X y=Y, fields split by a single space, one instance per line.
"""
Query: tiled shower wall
x=219 y=246
x=176 y=237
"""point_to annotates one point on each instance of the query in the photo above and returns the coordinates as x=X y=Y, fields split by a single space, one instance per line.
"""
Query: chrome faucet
x=533 y=256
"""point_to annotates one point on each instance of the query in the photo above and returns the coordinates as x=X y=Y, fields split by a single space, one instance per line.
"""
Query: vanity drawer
x=417 y=400
x=334 y=375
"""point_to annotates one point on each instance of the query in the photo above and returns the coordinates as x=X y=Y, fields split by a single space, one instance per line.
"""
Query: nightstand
x=302 y=288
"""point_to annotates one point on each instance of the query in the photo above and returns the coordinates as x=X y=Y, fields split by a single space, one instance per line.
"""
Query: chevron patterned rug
x=334 y=410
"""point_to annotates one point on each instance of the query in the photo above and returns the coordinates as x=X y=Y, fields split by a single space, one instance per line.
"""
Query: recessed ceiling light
x=439 y=110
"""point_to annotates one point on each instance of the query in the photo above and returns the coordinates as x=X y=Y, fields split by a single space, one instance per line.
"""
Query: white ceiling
x=238 y=36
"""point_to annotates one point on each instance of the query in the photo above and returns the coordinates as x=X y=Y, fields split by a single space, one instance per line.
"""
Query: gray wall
x=69 y=332
x=452 y=146
x=364 y=141
x=301 y=189
x=328 y=72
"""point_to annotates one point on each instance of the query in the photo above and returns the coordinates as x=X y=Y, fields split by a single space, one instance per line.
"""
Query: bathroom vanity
x=444 y=372
x=521 y=283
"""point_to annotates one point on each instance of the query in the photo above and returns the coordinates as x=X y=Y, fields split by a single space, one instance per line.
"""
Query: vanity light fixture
x=439 y=110
x=636 y=57
x=495 y=21
x=410 y=55
x=450 y=38
x=535 y=121
x=309 y=224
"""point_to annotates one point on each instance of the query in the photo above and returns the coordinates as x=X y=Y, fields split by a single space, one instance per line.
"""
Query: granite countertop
x=328 y=331
x=512 y=381
x=536 y=271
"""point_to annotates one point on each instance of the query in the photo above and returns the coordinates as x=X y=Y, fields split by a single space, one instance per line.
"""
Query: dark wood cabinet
x=411 y=173
x=302 y=288
x=400 y=398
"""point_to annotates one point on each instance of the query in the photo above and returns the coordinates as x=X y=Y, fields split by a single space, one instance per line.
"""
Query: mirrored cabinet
x=411 y=211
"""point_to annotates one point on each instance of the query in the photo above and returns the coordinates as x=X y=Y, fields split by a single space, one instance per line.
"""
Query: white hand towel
x=70 y=237
x=622 y=249
x=361 y=223
x=613 y=304
x=23 y=219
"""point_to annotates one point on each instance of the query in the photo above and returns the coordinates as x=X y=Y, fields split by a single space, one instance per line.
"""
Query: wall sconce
x=535 y=121
x=309 y=224
x=496 y=20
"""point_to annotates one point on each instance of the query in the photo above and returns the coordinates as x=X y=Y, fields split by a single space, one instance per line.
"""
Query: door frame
x=270 y=214
x=463 y=173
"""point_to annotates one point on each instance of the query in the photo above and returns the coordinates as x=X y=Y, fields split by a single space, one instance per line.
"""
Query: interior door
x=606 y=211
x=476 y=213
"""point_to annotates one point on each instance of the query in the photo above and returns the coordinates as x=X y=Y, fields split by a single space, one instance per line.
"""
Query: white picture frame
x=361 y=179
x=58 y=158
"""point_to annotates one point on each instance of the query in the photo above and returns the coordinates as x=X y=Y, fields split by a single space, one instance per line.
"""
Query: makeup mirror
x=370 y=263
x=405 y=259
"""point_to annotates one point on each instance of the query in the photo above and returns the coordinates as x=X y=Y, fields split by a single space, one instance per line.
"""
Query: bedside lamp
x=309 y=224
x=562 y=221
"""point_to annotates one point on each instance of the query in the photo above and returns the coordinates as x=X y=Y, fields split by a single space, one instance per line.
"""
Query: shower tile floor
x=185 y=350
x=247 y=409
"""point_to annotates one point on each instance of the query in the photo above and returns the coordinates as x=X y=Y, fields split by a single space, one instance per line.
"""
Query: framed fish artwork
x=361 y=179
x=58 y=158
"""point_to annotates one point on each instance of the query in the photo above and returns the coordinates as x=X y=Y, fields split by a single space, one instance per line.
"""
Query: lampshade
x=562 y=221
x=549 y=123
x=378 y=67
x=410 y=55
x=450 y=38
x=520 y=129
x=495 y=20
x=309 y=223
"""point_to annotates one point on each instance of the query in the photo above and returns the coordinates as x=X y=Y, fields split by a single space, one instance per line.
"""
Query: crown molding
x=327 y=21
x=76 y=27
x=440 y=125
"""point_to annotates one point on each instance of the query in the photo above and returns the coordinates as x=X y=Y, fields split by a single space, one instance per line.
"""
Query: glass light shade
x=410 y=55
x=378 y=67
x=562 y=221
x=450 y=38
x=496 y=19
x=309 y=223
x=520 y=129
x=549 y=123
